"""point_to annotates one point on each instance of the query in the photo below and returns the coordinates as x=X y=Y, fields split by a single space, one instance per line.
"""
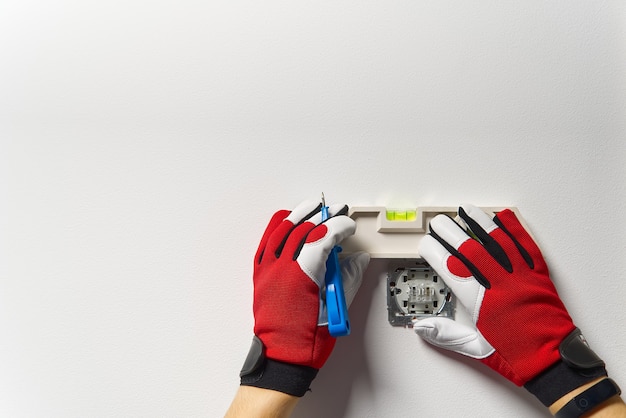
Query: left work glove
x=291 y=340
x=521 y=328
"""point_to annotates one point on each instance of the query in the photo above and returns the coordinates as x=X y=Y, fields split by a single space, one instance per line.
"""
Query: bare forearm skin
x=253 y=402
x=611 y=408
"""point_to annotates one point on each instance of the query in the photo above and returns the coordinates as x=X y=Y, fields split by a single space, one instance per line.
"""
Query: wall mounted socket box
x=414 y=290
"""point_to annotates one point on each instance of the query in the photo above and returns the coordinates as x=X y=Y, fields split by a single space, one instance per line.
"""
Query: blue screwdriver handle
x=338 y=322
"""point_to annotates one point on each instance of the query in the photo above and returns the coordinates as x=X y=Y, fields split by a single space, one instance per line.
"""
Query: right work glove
x=521 y=328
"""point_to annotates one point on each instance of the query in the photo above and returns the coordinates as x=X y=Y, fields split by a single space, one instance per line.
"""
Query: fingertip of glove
x=427 y=332
x=342 y=223
x=338 y=209
x=505 y=213
x=469 y=208
x=442 y=223
x=304 y=211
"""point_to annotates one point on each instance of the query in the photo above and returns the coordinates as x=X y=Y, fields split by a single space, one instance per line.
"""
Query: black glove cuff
x=578 y=365
x=265 y=373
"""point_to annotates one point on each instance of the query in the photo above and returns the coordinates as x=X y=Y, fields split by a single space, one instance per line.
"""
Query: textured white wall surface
x=145 y=145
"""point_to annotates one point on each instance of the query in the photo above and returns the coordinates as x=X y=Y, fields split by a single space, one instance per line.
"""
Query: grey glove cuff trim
x=576 y=352
x=255 y=357
x=578 y=365
x=265 y=373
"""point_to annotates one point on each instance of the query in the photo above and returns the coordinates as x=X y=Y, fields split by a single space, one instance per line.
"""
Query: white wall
x=144 y=146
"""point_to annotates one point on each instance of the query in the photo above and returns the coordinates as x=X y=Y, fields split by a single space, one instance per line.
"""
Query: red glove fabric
x=500 y=277
x=289 y=310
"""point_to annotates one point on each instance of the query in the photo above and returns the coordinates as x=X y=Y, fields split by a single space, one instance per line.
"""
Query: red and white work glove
x=291 y=340
x=521 y=328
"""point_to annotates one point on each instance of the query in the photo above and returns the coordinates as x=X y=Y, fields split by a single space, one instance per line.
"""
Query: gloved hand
x=521 y=328
x=292 y=341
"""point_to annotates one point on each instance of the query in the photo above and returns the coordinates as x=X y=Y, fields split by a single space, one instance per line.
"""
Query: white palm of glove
x=444 y=332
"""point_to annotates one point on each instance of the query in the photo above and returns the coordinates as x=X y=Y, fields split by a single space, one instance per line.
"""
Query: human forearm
x=253 y=402
x=613 y=407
